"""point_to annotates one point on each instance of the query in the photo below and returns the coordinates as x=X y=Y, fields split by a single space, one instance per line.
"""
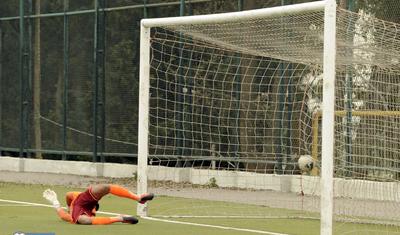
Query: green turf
x=41 y=219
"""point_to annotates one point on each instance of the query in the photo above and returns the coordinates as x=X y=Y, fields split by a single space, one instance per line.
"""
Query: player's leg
x=84 y=219
x=70 y=196
x=100 y=190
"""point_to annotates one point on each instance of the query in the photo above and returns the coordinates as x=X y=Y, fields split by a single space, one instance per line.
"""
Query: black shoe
x=129 y=219
x=146 y=197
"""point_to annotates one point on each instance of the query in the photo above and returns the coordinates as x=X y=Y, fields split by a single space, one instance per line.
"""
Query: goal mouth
x=234 y=100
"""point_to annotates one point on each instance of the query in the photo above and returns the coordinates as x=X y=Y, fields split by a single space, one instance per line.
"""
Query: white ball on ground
x=306 y=163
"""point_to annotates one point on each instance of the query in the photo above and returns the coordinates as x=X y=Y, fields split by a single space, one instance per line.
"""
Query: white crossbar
x=234 y=16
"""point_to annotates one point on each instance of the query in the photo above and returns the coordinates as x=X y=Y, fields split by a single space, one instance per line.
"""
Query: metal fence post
x=21 y=54
x=66 y=81
x=1 y=89
x=237 y=91
x=180 y=116
x=99 y=93
x=95 y=81
x=101 y=76
x=349 y=100
x=36 y=83
x=29 y=77
x=145 y=14
x=240 y=5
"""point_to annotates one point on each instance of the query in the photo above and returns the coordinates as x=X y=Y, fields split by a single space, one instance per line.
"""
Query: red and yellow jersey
x=70 y=197
x=82 y=204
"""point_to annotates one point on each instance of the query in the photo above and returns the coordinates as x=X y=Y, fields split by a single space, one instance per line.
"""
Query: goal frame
x=328 y=113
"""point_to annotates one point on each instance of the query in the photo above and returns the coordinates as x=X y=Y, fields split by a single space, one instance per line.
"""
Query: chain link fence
x=69 y=74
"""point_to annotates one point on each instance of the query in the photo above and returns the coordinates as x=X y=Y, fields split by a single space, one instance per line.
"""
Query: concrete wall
x=310 y=185
x=236 y=179
x=67 y=167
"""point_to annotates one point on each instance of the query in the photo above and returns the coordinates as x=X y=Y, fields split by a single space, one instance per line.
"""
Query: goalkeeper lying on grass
x=82 y=206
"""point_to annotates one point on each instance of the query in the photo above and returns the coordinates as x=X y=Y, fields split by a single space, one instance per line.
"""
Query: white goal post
x=328 y=120
x=229 y=102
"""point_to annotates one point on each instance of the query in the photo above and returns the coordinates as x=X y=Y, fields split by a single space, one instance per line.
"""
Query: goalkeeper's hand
x=51 y=196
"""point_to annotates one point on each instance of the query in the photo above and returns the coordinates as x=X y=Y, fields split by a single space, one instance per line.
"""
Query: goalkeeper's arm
x=51 y=196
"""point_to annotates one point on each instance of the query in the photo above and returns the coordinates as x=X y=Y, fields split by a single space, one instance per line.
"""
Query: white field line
x=21 y=203
x=25 y=203
x=155 y=219
x=15 y=205
x=214 y=226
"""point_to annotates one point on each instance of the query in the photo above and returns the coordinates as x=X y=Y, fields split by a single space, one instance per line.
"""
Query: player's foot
x=146 y=197
x=129 y=219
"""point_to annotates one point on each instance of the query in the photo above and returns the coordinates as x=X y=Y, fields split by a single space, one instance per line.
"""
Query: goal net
x=230 y=102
